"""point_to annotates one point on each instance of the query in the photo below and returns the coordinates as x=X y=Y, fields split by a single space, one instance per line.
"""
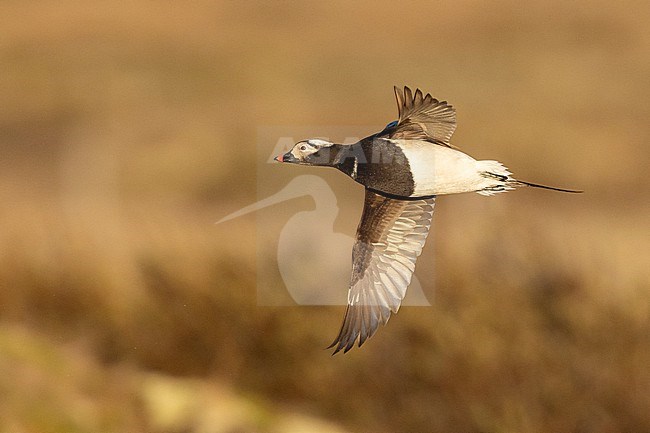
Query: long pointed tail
x=516 y=182
x=498 y=179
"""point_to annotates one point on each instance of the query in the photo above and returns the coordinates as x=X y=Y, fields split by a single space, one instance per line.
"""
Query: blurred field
x=128 y=128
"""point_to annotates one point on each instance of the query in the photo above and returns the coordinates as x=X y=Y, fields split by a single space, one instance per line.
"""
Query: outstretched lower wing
x=389 y=240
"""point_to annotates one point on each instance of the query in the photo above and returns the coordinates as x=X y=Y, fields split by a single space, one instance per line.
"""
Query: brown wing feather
x=390 y=238
x=423 y=118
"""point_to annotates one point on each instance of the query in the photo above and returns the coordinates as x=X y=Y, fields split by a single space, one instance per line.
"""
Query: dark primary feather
x=422 y=117
x=389 y=240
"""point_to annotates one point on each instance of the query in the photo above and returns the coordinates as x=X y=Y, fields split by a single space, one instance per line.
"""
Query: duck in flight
x=403 y=168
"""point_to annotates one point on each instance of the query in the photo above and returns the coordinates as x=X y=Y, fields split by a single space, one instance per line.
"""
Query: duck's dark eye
x=303 y=147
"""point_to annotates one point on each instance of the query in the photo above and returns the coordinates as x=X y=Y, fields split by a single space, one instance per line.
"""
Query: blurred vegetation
x=128 y=128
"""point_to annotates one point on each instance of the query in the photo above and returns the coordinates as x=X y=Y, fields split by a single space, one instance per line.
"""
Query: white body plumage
x=438 y=170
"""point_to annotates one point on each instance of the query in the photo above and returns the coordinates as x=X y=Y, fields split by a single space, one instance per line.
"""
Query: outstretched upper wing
x=390 y=238
x=422 y=117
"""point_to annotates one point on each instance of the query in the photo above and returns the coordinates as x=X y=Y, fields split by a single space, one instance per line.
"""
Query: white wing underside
x=390 y=238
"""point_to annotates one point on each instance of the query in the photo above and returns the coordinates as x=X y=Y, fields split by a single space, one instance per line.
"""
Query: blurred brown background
x=128 y=128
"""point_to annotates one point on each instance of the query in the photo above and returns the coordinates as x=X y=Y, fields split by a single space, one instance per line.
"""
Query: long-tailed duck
x=403 y=168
